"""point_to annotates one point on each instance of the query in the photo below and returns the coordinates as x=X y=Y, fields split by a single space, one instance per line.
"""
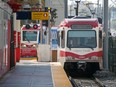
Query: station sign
x=23 y=15
x=40 y=15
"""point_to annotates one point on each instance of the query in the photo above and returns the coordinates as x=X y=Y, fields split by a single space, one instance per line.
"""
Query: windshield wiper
x=27 y=39
x=87 y=46
x=70 y=45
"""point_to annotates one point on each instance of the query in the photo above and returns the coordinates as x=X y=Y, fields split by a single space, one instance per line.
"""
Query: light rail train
x=30 y=40
x=80 y=44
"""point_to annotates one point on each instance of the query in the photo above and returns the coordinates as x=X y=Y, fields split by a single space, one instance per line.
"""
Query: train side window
x=58 y=36
x=100 y=34
x=100 y=39
x=62 y=39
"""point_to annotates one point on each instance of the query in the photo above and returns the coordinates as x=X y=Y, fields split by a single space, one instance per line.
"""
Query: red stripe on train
x=65 y=54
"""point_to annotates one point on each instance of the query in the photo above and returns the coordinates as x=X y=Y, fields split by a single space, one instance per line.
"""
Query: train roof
x=89 y=21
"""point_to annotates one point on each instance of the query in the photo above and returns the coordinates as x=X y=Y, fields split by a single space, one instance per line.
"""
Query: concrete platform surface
x=35 y=74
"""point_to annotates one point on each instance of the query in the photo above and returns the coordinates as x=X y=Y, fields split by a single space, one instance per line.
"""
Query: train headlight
x=69 y=58
x=34 y=46
x=24 y=46
x=94 y=58
x=35 y=26
x=27 y=26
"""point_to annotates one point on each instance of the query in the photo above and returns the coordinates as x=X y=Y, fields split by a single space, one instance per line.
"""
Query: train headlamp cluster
x=27 y=26
x=94 y=58
x=35 y=26
x=34 y=46
x=24 y=46
x=69 y=58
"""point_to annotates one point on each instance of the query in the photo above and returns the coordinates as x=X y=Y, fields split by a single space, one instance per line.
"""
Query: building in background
x=112 y=21
x=59 y=5
x=85 y=8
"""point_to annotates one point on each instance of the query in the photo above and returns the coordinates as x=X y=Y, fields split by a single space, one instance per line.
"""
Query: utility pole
x=77 y=7
x=98 y=7
x=66 y=8
x=105 y=41
x=49 y=27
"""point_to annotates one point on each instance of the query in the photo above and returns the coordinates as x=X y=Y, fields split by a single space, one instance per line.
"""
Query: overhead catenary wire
x=113 y=2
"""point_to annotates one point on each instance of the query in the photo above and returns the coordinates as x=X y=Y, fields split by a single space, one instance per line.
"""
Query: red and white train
x=30 y=36
x=80 y=44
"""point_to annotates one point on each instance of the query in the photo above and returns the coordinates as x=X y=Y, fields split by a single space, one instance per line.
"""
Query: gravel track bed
x=107 y=78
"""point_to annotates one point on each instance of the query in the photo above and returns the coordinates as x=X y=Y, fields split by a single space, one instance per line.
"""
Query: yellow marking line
x=31 y=58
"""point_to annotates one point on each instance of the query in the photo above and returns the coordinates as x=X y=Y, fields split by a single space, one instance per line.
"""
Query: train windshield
x=81 y=39
x=29 y=36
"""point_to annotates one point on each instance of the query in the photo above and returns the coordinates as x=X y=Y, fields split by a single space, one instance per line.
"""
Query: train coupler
x=81 y=65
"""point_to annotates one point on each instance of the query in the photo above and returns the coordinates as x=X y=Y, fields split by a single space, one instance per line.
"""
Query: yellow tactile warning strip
x=32 y=58
x=59 y=76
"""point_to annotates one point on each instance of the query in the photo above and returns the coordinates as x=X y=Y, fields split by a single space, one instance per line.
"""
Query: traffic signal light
x=53 y=13
x=47 y=9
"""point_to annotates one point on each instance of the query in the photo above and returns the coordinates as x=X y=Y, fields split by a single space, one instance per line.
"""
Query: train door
x=61 y=45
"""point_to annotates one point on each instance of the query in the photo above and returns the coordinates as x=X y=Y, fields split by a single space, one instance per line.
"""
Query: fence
x=112 y=54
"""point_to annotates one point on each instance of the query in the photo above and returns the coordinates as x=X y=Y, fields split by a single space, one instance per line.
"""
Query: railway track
x=86 y=82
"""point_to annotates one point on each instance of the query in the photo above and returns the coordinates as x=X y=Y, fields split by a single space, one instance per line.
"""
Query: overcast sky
x=94 y=1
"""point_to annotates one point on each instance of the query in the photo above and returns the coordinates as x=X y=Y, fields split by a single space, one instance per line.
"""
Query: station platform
x=30 y=73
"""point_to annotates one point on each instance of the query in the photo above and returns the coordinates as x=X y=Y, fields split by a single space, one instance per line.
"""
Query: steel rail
x=73 y=82
x=98 y=81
